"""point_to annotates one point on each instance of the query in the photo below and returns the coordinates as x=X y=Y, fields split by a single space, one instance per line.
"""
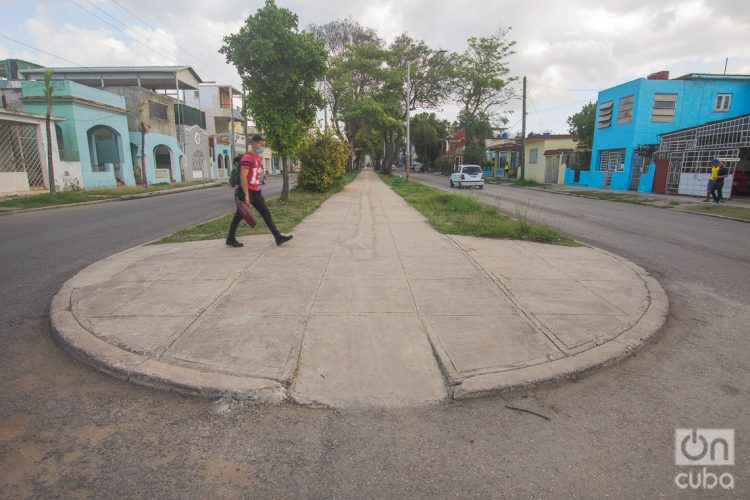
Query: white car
x=468 y=175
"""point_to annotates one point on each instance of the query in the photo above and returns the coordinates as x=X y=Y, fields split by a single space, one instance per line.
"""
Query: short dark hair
x=257 y=138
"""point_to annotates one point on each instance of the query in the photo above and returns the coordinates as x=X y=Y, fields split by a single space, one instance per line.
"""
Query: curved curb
x=573 y=367
x=151 y=372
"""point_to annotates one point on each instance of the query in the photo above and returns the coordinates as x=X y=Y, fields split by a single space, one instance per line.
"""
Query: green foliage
x=426 y=132
x=459 y=214
x=482 y=76
x=582 y=125
x=280 y=68
x=444 y=164
x=474 y=154
x=323 y=159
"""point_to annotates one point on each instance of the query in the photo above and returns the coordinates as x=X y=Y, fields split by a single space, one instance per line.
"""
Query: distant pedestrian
x=251 y=167
x=712 y=178
x=506 y=169
x=718 y=187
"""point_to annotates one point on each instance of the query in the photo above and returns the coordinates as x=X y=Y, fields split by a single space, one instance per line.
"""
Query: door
x=552 y=169
x=660 y=176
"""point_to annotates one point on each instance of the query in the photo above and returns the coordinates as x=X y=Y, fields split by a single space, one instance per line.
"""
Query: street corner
x=574 y=309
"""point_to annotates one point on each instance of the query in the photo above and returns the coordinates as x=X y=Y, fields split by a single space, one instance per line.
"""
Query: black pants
x=257 y=201
x=716 y=190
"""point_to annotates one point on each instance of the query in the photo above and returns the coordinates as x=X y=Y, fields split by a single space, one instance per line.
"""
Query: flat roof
x=148 y=77
x=712 y=76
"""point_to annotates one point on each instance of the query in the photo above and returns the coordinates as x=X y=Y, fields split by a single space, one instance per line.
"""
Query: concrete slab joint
x=367 y=306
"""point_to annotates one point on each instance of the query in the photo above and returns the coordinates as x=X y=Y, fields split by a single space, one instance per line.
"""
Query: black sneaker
x=283 y=239
x=234 y=243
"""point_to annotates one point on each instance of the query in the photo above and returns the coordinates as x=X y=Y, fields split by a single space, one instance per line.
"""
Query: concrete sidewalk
x=367 y=306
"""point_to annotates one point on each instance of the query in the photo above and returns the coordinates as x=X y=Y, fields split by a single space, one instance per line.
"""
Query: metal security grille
x=690 y=151
x=19 y=151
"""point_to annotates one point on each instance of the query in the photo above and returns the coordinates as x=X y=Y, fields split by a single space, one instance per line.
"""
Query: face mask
x=259 y=150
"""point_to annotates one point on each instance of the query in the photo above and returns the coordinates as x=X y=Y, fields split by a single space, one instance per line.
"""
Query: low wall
x=14 y=183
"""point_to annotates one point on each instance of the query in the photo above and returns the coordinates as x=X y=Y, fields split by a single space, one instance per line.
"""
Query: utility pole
x=325 y=108
x=408 y=105
x=523 y=132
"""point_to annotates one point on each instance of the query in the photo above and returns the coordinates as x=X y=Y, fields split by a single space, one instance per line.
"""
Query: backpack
x=234 y=175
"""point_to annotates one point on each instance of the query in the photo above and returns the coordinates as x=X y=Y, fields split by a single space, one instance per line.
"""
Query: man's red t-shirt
x=252 y=165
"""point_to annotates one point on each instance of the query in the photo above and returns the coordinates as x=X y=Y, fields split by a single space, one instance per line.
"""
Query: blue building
x=631 y=116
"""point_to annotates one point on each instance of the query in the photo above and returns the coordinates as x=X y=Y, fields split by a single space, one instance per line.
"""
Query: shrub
x=444 y=164
x=323 y=159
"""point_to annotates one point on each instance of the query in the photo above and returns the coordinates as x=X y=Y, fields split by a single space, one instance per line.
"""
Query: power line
x=538 y=117
x=112 y=26
x=564 y=89
x=40 y=50
x=135 y=39
x=155 y=29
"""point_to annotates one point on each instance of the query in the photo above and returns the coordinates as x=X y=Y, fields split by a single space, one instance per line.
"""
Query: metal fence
x=19 y=151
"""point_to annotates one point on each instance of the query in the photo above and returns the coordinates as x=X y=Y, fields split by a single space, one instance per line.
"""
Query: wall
x=694 y=106
x=133 y=96
x=83 y=109
x=537 y=171
x=152 y=141
x=197 y=160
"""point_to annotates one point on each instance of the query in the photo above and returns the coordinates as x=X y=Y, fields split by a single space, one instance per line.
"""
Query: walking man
x=506 y=169
x=251 y=169
x=712 y=179
x=721 y=174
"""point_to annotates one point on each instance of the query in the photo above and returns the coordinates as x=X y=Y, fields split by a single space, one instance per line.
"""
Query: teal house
x=93 y=138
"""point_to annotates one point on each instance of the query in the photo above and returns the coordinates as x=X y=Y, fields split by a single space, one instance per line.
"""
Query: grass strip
x=725 y=210
x=463 y=215
x=69 y=197
x=286 y=214
x=623 y=197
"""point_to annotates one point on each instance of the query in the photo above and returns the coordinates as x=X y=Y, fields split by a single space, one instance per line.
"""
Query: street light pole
x=408 y=127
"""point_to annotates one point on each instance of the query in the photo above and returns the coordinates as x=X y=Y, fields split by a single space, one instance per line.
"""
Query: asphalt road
x=68 y=430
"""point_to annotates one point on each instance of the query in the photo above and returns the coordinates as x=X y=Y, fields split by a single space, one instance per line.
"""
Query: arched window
x=104 y=149
x=162 y=162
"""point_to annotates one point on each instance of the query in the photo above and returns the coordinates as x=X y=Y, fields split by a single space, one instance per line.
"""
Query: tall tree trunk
x=285 y=176
x=50 y=168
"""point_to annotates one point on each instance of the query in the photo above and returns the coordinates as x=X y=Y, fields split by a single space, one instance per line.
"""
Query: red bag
x=246 y=213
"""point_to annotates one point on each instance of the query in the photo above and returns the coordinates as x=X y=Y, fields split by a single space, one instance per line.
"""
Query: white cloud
x=578 y=44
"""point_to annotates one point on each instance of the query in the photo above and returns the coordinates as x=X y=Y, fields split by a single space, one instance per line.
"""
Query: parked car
x=467 y=176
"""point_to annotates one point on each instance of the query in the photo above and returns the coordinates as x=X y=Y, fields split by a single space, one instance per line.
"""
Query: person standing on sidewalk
x=714 y=172
x=251 y=170
x=718 y=187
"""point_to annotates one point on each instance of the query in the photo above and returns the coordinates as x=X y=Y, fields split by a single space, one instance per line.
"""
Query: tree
x=48 y=91
x=478 y=129
x=144 y=129
x=582 y=125
x=280 y=68
x=426 y=132
x=339 y=37
x=482 y=76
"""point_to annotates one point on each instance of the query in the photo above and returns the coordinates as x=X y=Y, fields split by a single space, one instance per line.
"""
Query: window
x=605 y=115
x=664 y=107
x=625 y=110
x=472 y=170
x=533 y=155
x=156 y=110
x=723 y=102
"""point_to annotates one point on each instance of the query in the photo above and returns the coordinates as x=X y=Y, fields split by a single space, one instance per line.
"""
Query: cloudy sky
x=568 y=49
